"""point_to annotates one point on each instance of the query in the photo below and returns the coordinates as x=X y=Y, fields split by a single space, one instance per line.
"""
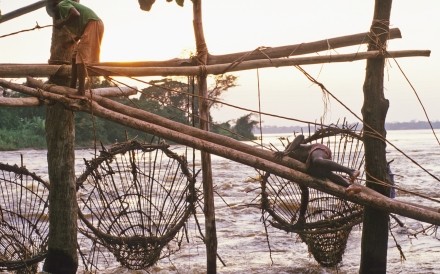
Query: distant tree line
x=24 y=127
x=388 y=126
x=412 y=125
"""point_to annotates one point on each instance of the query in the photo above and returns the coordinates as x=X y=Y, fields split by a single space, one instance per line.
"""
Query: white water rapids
x=242 y=241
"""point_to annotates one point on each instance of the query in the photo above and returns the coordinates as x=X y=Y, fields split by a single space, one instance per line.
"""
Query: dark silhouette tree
x=244 y=126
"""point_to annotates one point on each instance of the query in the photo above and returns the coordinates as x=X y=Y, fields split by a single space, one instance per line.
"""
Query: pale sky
x=242 y=25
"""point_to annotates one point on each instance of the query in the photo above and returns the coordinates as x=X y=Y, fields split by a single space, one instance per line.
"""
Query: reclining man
x=318 y=160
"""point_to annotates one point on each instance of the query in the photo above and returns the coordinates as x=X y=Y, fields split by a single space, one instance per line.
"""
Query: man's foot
x=353 y=189
x=354 y=175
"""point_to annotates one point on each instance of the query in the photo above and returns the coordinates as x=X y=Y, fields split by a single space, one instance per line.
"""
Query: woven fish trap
x=322 y=221
x=24 y=225
x=133 y=200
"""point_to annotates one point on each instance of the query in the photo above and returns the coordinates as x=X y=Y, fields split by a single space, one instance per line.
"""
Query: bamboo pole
x=269 y=163
x=42 y=70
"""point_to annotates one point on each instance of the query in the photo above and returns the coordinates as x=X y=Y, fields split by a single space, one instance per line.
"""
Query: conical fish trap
x=328 y=223
x=134 y=198
x=322 y=221
x=24 y=225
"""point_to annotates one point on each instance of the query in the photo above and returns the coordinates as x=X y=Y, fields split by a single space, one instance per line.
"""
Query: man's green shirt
x=86 y=14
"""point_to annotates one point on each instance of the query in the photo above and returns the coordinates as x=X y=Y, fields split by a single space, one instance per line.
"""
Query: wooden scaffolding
x=373 y=197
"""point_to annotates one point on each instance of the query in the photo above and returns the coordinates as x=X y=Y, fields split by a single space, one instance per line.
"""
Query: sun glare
x=142 y=36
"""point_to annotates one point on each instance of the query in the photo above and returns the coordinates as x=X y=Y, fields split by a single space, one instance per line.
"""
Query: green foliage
x=34 y=125
x=224 y=129
x=167 y=92
x=172 y=99
x=244 y=126
x=27 y=133
x=223 y=82
x=21 y=127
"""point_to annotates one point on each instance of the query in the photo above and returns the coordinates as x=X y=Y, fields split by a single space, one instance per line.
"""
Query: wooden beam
x=34 y=101
x=22 y=11
x=298 y=49
x=104 y=92
x=115 y=91
x=281 y=167
x=19 y=102
x=33 y=70
x=262 y=53
x=159 y=120
x=41 y=70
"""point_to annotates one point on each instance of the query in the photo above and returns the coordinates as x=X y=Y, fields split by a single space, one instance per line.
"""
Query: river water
x=242 y=241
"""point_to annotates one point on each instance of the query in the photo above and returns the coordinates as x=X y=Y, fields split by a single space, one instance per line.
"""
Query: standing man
x=86 y=30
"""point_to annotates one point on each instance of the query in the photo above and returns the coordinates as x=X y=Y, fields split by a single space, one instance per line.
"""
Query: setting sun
x=136 y=35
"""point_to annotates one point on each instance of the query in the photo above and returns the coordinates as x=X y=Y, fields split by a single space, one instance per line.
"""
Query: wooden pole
x=375 y=224
x=34 y=101
x=60 y=137
x=20 y=102
x=298 y=49
x=253 y=64
x=40 y=70
x=263 y=53
x=208 y=189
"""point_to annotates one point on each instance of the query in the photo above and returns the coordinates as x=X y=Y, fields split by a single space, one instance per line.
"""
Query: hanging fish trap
x=322 y=221
x=133 y=200
x=24 y=225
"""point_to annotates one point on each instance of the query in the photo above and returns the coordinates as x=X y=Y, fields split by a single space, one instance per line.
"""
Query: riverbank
x=35 y=138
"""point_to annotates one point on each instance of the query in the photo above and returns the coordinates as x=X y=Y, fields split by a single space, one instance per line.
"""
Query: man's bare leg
x=81 y=68
x=335 y=178
x=351 y=188
x=329 y=165
x=78 y=72
x=74 y=75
